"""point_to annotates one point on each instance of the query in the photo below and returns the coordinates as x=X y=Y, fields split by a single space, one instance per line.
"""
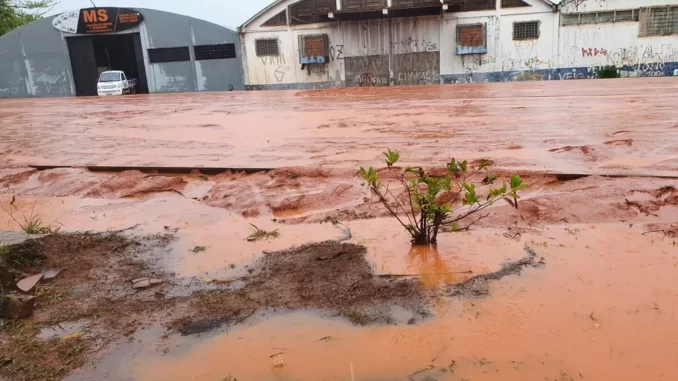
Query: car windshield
x=109 y=77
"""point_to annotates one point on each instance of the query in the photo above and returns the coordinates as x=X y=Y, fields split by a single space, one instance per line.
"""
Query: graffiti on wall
x=639 y=60
x=275 y=67
x=593 y=52
x=417 y=68
x=413 y=46
x=336 y=52
x=367 y=70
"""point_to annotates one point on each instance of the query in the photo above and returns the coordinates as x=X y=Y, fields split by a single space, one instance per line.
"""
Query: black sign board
x=108 y=20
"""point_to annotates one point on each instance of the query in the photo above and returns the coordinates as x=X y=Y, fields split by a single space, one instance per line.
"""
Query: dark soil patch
x=477 y=286
x=92 y=286
x=331 y=276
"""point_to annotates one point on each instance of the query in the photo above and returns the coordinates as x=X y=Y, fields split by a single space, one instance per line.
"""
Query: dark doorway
x=91 y=55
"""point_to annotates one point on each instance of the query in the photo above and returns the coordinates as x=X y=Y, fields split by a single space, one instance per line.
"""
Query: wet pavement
x=588 y=126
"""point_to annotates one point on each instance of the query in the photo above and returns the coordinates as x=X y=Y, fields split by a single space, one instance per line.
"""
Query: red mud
x=350 y=127
x=627 y=142
x=601 y=307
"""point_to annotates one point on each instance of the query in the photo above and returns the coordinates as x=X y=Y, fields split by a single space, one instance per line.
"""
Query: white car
x=115 y=83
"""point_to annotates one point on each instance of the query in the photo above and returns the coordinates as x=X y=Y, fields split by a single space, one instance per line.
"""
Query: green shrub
x=608 y=72
x=423 y=213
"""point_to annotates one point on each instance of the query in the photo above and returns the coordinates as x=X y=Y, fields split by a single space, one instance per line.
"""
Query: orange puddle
x=603 y=308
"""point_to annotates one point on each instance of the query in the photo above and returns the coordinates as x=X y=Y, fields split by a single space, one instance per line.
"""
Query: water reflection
x=432 y=268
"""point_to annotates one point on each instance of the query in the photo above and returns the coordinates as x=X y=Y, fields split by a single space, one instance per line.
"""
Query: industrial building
x=329 y=43
x=63 y=55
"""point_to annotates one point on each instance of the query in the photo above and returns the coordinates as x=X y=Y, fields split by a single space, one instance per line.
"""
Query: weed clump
x=260 y=234
x=33 y=223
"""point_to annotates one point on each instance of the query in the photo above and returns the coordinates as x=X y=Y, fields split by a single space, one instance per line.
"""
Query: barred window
x=267 y=47
x=600 y=17
x=214 y=52
x=160 y=55
x=660 y=21
x=526 y=30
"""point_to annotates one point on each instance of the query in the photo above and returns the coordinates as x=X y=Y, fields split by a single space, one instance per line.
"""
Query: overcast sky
x=229 y=13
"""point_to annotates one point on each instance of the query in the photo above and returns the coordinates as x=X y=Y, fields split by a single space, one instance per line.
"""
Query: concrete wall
x=359 y=54
x=34 y=59
x=506 y=59
x=422 y=50
x=591 y=45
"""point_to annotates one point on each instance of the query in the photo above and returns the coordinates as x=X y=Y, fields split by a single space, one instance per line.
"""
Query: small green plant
x=33 y=224
x=421 y=211
x=260 y=234
x=608 y=72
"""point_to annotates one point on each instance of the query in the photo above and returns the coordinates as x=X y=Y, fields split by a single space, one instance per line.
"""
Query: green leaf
x=464 y=165
x=516 y=182
x=490 y=179
x=471 y=197
x=470 y=188
x=369 y=175
x=453 y=167
x=484 y=164
x=392 y=157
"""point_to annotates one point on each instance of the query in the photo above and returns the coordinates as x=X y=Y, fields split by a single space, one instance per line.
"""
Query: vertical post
x=338 y=5
x=391 y=74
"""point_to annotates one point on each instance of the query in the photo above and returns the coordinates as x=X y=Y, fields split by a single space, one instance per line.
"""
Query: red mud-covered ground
x=600 y=306
x=593 y=127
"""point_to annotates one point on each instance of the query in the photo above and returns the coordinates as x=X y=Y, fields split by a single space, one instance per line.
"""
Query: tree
x=15 y=13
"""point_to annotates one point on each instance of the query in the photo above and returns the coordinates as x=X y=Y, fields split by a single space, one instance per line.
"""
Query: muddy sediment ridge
x=312 y=195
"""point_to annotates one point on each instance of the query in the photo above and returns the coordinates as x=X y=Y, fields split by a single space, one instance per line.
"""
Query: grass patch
x=30 y=358
x=33 y=223
x=260 y=234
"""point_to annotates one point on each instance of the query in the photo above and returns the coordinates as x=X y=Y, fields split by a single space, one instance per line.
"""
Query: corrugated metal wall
x=34 y=59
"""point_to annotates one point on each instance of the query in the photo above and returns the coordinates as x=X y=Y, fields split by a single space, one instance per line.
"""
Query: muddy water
x=603 y=308
x=565 y=126
x=220 y=235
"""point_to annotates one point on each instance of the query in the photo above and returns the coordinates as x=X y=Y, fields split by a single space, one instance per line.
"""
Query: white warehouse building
x=295 y=44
